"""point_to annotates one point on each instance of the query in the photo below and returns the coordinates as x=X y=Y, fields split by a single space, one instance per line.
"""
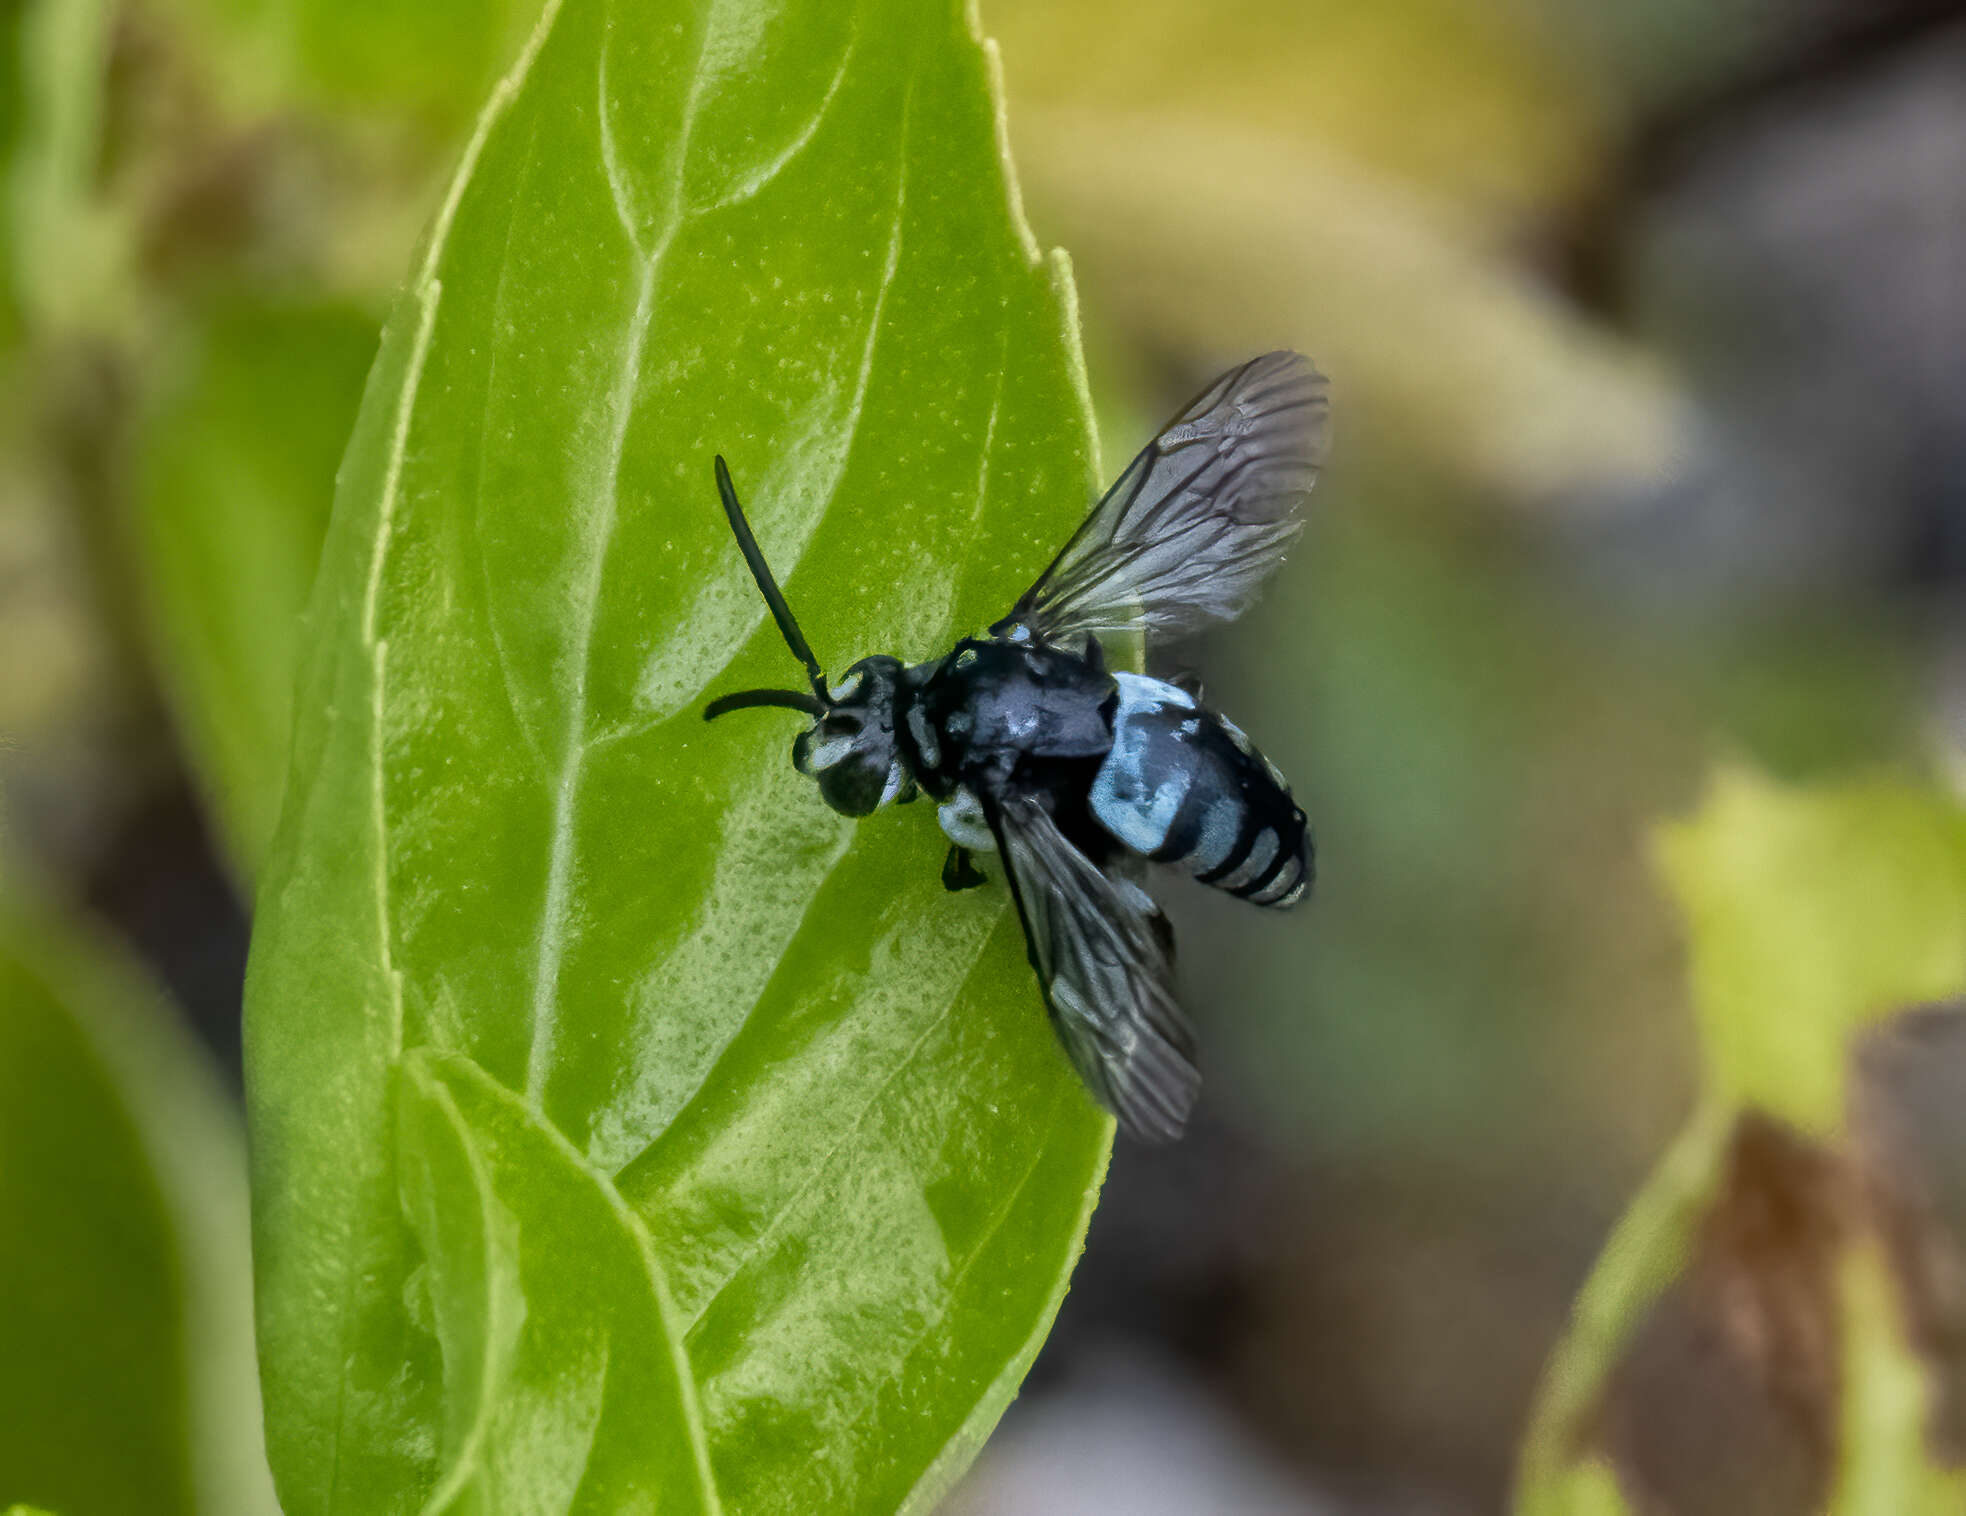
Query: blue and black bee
x=1071 y=773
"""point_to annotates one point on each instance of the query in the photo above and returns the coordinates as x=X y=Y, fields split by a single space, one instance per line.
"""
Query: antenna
x=815 y=704
x=788 y=626
x=743 y=700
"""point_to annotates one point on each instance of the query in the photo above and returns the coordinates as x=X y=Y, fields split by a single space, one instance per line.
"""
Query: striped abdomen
x=1186 y=787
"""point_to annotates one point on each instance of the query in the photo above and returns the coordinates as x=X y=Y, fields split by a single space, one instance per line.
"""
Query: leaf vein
x=550 y=951
x=499 y=328
x=995 y=1225
x=618 y=186
x=989 y=437
x=635 y=1231
x=566 y=788
x=849 y=425
x=754 y=183
x=755 y=1249
x=470 y=1450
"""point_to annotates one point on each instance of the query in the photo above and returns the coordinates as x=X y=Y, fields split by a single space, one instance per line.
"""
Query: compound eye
x=853 y=786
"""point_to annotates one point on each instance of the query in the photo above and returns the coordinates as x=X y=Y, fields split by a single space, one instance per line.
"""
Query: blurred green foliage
x=207 y=208
x=129 y=1381
x=233 y=477
x=423 y=67
x=12 y=116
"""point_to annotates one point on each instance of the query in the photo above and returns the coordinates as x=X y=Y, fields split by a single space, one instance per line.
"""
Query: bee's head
x=849 y=748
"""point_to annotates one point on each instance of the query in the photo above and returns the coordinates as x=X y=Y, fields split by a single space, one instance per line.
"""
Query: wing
x=1188 y=533
x=1104 y=955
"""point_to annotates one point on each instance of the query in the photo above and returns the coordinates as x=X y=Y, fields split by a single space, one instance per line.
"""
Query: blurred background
x=1647 y=331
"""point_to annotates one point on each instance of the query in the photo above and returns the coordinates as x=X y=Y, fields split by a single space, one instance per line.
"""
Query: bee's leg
x=959 y=872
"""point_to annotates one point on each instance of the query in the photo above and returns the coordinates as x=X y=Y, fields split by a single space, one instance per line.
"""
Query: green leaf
x=1887 y=1467
x=512 y=852
x=547 y=1299
x=234 y=476
x=128 y=1382
x=1646 y=1252
x=1810 y=913
x=1588 y=1487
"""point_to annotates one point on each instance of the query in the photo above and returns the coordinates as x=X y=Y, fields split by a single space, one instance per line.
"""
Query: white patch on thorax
x=923 y=731
x=963 y=823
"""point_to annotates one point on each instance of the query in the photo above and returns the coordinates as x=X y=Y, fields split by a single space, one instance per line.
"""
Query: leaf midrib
x=550 y=951
x=576 y=743
x=632 y=1227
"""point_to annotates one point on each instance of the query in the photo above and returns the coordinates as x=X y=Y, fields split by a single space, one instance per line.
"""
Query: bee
x=1075 y=775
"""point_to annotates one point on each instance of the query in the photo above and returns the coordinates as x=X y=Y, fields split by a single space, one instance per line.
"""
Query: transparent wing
x=1188 y=533
x=1104 y=954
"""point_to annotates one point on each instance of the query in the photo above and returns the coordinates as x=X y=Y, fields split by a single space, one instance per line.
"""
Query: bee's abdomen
x=1184 y=787
x=1270 y=862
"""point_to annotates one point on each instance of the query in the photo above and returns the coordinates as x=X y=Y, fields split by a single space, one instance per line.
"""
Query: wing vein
x=1098 y=946
x=1198 y=519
